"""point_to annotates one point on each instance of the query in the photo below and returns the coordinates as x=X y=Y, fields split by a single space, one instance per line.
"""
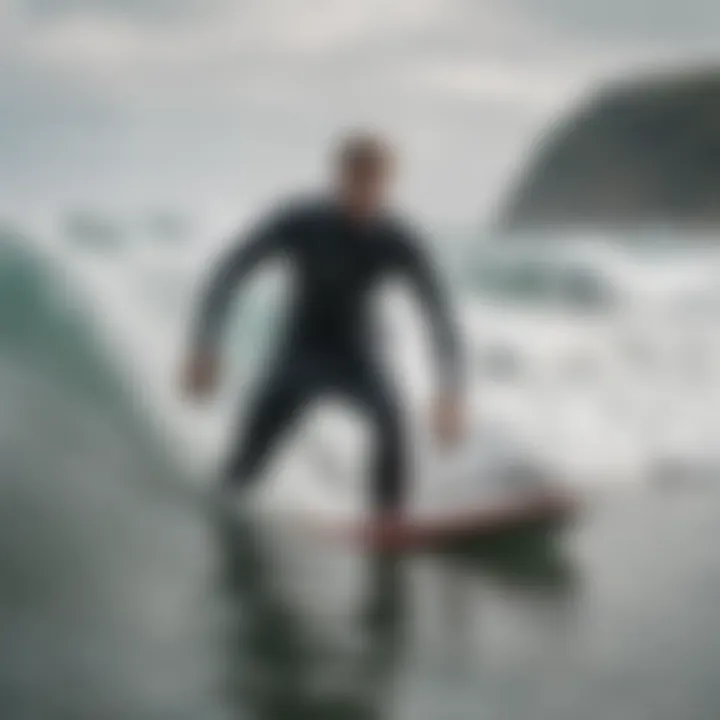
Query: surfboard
x=489 y=487
x=502 y=518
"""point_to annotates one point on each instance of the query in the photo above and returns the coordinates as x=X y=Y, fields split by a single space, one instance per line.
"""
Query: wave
x=52 y=361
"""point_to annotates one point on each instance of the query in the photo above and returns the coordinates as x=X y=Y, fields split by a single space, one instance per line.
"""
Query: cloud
x=150 y=54
x=79 y=28
x=141 y=11
x=118 y=49
x=492 y=81
x=673 y=22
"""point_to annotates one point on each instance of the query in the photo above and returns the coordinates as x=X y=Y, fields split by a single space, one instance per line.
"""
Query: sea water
x=122 y=595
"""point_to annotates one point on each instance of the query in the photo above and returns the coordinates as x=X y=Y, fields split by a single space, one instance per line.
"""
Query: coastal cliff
x=638 y=153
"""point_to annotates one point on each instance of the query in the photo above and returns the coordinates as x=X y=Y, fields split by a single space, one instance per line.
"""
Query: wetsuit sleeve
x=266 y=240
x=423 y=276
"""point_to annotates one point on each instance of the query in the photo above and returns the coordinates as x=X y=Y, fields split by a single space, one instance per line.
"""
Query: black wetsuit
x=328 y=343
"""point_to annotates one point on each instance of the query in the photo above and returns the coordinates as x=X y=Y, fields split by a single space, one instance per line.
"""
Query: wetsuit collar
x=344 y=213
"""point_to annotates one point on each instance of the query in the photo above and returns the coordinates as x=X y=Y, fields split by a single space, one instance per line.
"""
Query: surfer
x=339 y=246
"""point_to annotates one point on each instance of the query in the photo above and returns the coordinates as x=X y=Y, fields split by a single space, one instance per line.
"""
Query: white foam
x=593 y=396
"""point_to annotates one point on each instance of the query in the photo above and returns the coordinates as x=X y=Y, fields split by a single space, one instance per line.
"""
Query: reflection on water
x=302 y=649
x=612 y=620
x=281 y=666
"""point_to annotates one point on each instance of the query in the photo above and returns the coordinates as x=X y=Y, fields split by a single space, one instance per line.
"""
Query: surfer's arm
x=267 y=240
x=424 y=278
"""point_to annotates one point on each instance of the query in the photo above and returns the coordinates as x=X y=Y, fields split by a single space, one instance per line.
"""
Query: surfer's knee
x=390 y=471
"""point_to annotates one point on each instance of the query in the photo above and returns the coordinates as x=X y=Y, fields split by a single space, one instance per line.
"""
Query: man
x=340 y=247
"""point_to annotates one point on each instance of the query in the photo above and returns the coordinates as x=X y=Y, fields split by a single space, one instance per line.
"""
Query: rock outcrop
x=640 y=153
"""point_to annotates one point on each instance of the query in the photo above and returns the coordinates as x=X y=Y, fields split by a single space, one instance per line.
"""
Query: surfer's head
x=364 y=168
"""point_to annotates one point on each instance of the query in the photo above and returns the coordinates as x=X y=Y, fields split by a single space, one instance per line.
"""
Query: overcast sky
x=222 y=103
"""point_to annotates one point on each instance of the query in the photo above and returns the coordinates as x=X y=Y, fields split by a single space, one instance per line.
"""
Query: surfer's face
x=365 y=173
x=365 y=188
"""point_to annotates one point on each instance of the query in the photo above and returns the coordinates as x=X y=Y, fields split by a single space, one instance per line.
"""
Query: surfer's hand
x=449 y=420
x=200 y=375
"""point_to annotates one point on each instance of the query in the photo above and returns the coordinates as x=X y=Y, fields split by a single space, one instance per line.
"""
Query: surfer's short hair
x=363 y=152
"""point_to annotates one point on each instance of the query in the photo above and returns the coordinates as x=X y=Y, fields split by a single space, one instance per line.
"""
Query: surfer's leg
x=376 y=397
x=389 y=472
x=276 y=405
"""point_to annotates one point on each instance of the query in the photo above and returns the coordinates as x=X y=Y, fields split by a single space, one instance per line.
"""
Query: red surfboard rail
x=489 y=521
